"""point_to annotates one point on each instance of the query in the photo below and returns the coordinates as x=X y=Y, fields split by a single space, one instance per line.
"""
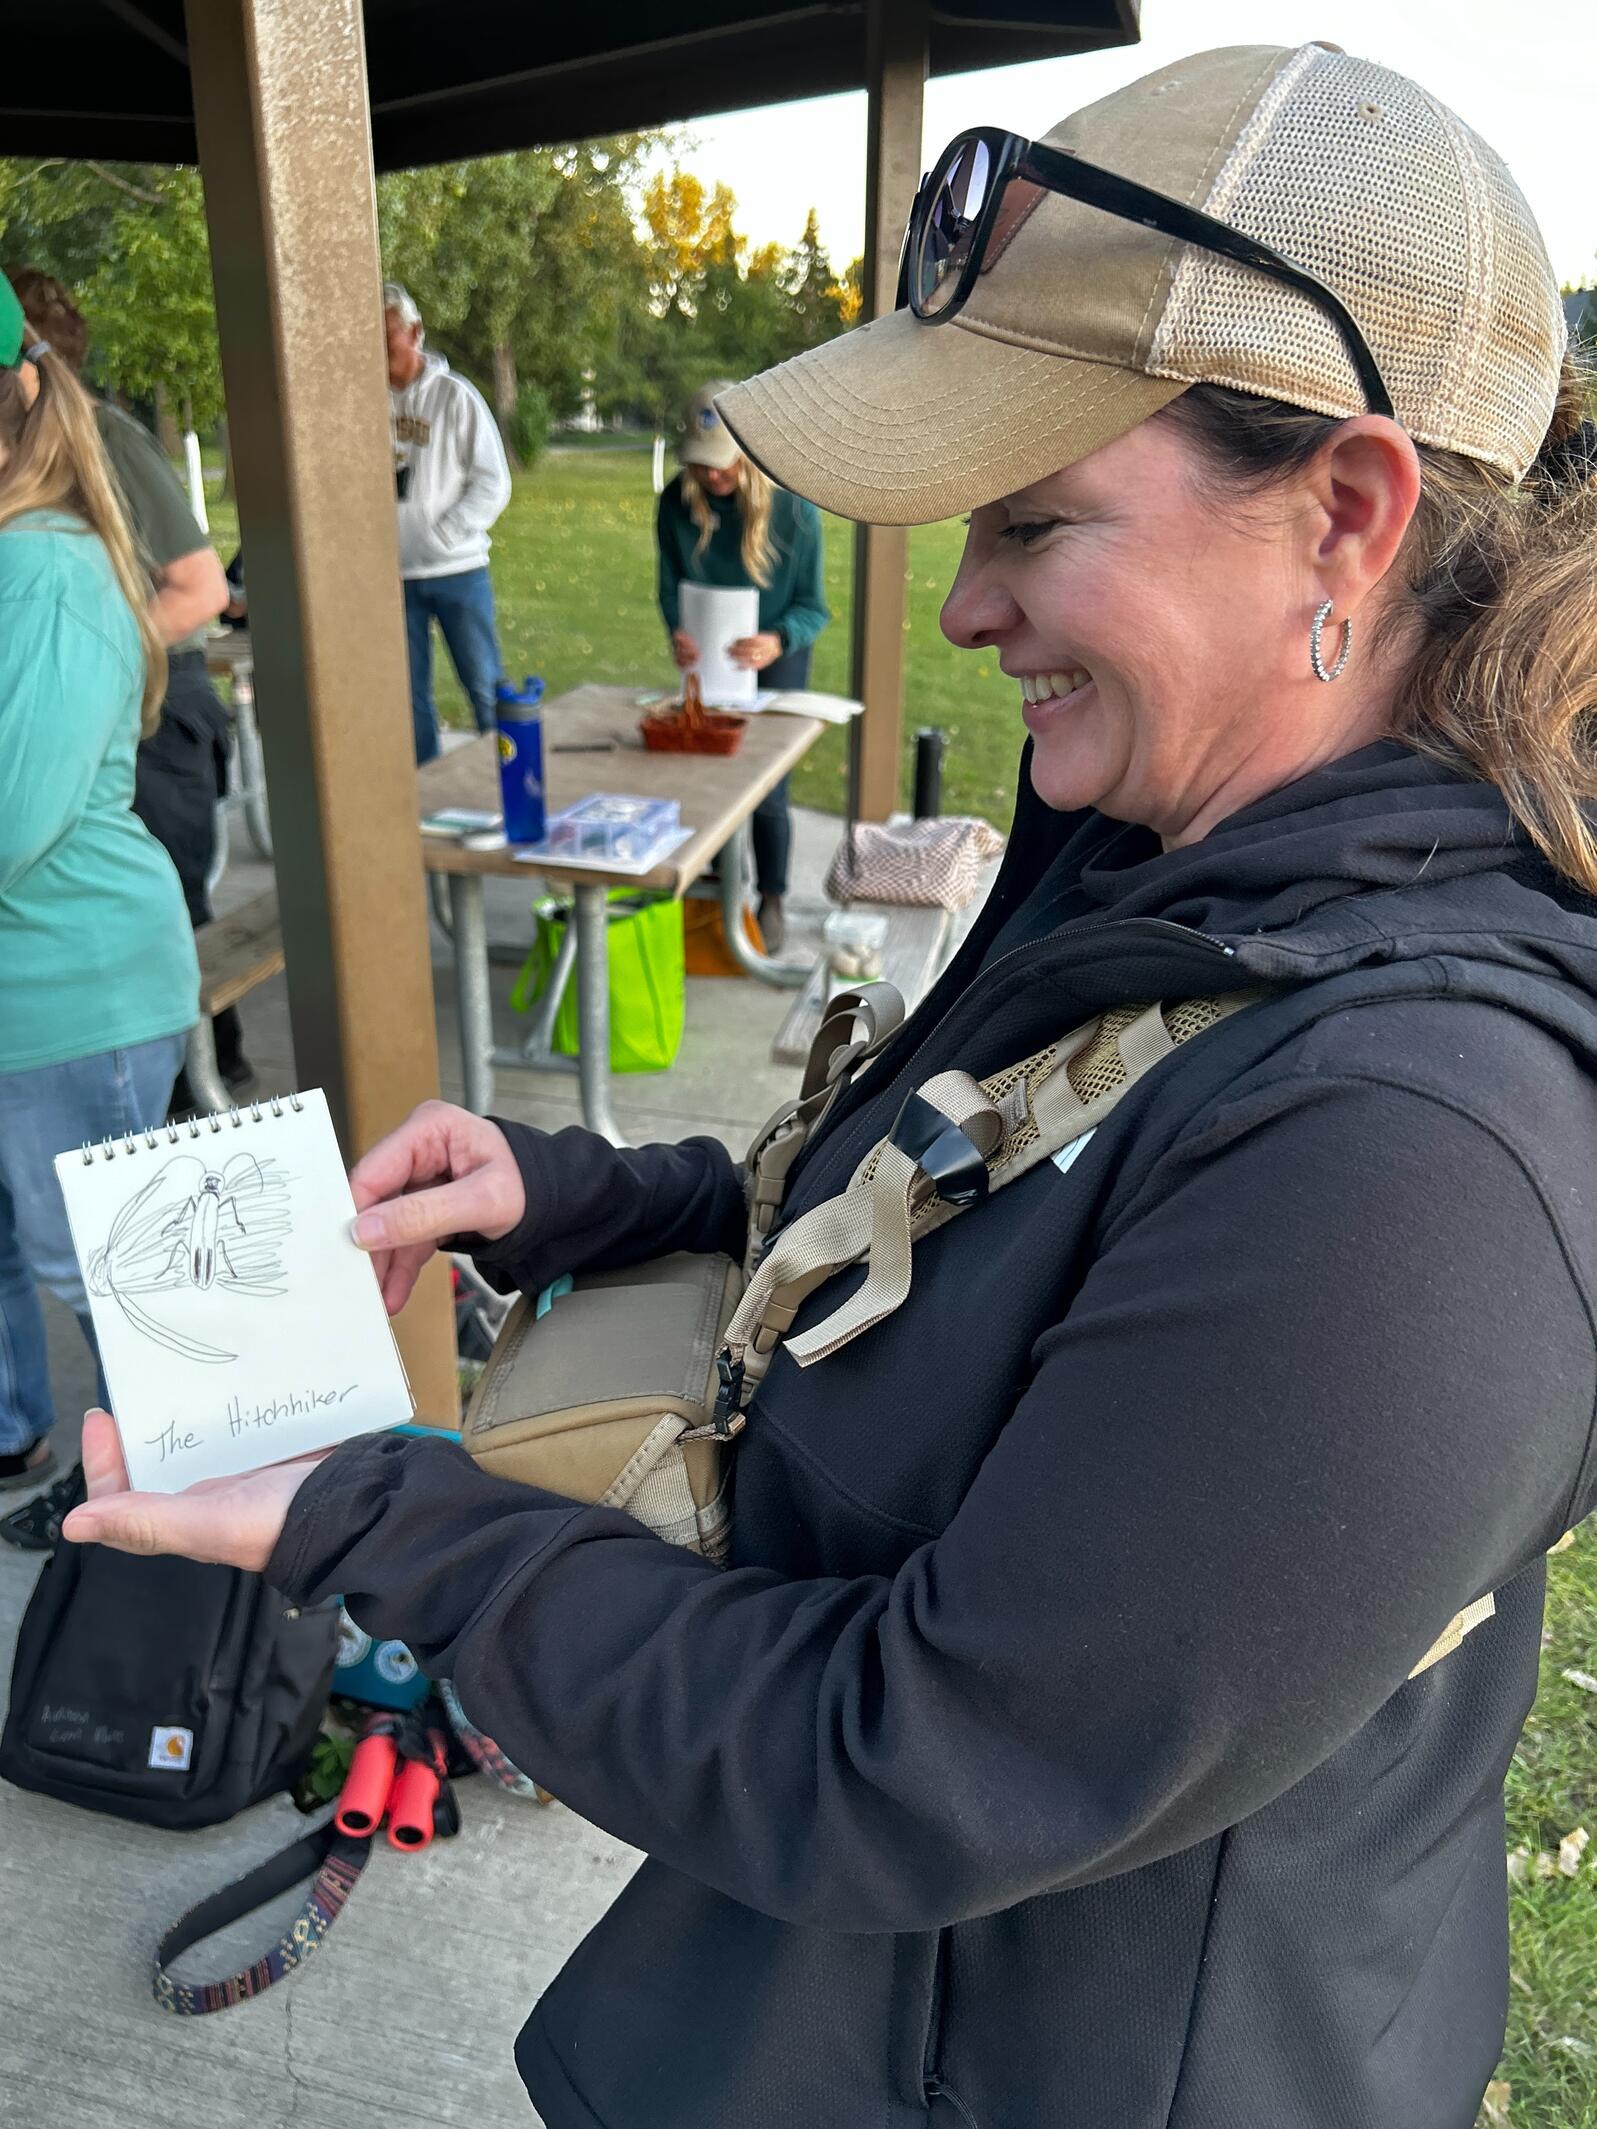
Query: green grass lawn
x=1551 y=2057
x=573 y=573
x=573 y=569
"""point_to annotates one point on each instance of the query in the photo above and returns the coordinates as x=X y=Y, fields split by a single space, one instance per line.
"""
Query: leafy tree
x=129 y=240
x=716 y=307
x=522 y=265
x=815 y=297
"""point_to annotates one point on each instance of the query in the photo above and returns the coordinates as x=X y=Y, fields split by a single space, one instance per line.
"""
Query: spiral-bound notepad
x=238 y=1322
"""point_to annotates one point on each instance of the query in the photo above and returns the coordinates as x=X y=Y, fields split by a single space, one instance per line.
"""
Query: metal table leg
x=438 y=899
x=781 y=975
x=204 y=1076
x=590 y=923
x=251 y=764
x=538 y=1046
x=469 y=929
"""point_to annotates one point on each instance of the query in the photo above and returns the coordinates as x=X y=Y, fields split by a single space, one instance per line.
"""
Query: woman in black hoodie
x=1061 y=1743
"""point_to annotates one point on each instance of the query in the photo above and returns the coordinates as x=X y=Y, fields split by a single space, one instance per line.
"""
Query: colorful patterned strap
x=336 y=1861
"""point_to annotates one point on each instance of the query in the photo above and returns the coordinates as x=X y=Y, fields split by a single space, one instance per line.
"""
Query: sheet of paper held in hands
x=716 y=616
x=238 y=1322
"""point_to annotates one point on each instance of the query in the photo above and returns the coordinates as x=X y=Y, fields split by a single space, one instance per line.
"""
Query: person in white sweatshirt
x=453 y=481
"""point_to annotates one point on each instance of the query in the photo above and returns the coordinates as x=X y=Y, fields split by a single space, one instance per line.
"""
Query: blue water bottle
x=521 y=759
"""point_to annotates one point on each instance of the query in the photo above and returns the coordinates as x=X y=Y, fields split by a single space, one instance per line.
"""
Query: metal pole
x=251 y=764
x=930 y=745
x=590 y=922
x=896 y=34
x=780 y=975
x=283 y=123
x=468 y=927
x=538 y=1047
x=196 y=479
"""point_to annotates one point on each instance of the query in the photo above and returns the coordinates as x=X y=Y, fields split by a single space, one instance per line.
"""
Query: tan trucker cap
x=1083 y=325
x=703 y=439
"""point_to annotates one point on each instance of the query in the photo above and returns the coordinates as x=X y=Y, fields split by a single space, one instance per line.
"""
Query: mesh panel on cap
x=1357 y=174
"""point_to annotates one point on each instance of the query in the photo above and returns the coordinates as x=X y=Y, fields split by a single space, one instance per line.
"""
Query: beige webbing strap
x=855 y=1025
x=882 y=1204
x=1015 y=1119
x=1462 y=1623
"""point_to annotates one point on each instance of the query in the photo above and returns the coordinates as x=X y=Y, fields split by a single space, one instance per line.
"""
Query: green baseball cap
x=13 y=326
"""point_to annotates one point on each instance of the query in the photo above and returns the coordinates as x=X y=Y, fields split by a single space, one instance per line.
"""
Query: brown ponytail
x=51 y=459
x=1499 y=594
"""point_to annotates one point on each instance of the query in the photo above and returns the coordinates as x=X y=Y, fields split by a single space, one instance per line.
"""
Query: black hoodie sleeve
x=1329 y=1380
x=591 y=1205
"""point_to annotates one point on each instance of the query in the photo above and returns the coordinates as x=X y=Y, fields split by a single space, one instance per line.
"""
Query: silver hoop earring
x=1315 y=658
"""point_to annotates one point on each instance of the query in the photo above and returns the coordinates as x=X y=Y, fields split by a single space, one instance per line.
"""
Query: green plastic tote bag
x=646 y=979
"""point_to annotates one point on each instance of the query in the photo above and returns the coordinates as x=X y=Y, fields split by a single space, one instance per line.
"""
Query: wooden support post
x=280 y=104
x=895 y=65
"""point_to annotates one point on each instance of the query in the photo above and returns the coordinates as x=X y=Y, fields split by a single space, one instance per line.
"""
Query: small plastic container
x=612 y=825
x=854 y=940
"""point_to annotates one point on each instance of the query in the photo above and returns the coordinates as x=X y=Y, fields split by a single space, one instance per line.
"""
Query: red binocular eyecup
x=402 y=1786
x=368 y=1783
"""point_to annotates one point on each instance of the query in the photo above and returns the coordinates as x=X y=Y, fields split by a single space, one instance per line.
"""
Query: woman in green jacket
x=722 y=522
x=98 y=979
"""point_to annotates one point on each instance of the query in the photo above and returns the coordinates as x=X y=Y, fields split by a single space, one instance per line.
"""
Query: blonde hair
x=1495 y=604
x=753 y=494
x=51 y=458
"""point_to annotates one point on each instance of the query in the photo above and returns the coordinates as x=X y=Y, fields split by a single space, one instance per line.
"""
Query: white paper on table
x=804 y=702
x=238 y=1322
x=716 y=616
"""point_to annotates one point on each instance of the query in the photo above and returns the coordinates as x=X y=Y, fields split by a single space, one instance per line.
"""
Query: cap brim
x=900 y=423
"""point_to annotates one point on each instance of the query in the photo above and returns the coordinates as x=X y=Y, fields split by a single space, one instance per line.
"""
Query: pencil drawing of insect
x=195 y=1228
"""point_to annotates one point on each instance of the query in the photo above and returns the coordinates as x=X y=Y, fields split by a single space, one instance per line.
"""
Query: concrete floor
x=408 y=2013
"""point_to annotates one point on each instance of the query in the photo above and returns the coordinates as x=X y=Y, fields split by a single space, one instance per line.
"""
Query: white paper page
x=238 y=1322
x=717 y=616
x=803 y=702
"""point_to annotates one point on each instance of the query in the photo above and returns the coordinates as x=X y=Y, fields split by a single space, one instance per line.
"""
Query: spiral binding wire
x=217 y=1121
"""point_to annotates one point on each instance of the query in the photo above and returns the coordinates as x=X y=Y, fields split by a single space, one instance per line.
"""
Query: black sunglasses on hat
x=960 y=201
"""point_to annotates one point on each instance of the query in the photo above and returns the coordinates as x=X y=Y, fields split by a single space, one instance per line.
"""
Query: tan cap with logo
x=1083 y=324
x=705 y=439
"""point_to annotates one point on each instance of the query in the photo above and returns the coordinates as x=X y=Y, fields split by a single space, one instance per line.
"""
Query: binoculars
x=400 y=1772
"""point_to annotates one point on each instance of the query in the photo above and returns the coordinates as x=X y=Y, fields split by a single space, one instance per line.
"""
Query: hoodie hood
x=1383 y=855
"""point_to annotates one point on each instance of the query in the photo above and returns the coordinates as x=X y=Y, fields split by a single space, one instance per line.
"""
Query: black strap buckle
x=942 y=1151
x=727 y=1418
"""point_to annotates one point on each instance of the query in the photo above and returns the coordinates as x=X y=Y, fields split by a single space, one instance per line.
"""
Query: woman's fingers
x=398 y=1275
x=426 y=1215
x=236 y=1522
x=443 y=1172
x=104 y=1467
x=418 y=1151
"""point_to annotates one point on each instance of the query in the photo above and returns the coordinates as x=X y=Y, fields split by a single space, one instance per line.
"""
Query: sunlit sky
x=1524 y=76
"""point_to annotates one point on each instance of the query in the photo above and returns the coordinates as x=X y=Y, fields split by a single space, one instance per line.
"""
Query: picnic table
x=591 y=743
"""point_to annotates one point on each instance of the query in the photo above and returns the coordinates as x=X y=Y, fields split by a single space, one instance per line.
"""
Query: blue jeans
x=463 y=607
x=44 y=1112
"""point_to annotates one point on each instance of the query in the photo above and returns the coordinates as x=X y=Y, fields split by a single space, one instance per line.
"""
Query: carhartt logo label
x=172 y=1748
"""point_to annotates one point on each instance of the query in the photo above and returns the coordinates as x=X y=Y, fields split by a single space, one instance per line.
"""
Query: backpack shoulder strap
x=956 y=1140
x=854 y=1027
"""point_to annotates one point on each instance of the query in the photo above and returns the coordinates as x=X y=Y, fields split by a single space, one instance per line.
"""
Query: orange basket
x=689 y=728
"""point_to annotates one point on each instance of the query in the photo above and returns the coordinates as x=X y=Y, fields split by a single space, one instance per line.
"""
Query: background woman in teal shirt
x=98 y=980
x=722 y=522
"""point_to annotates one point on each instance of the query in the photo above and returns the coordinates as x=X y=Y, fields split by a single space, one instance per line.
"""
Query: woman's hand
x=235 y=1521
x=443 y=1172
x=757 y=651
x=683 y=648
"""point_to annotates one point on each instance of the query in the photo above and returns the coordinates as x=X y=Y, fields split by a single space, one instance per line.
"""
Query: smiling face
x=1160 y=643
